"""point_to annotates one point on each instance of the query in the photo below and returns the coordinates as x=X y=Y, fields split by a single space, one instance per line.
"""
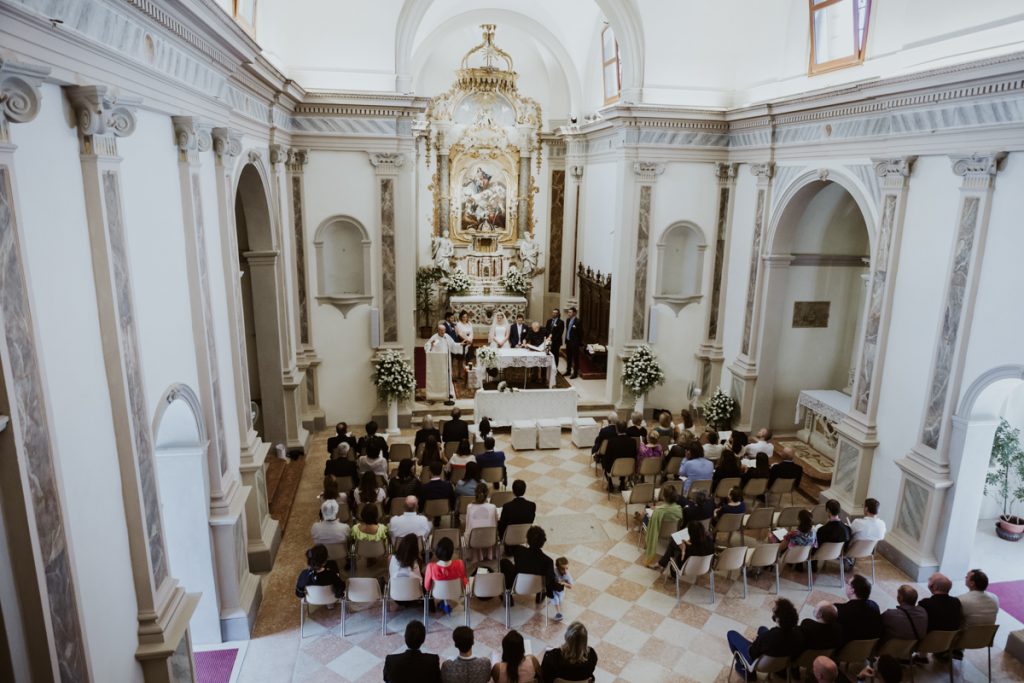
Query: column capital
x=724 y=171
x=978 y=170
x=191 y=135
x=576 y=172
x=387 y=163
x=647 y=171
x=19 y=92
x=100 y=112
x=297 y=158
x=887 y=167
x=226 y=143
x=764 y=170
x=278 y=154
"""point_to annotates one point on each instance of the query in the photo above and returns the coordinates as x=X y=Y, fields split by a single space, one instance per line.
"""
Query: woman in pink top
x=651 y=449
x=444 y=569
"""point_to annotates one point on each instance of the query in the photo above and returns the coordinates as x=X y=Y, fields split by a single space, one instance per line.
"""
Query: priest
x=441 y=342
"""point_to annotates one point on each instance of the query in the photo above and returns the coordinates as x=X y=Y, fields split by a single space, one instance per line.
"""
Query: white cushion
x=584 y=432
x=524 y=435
x=550 y=433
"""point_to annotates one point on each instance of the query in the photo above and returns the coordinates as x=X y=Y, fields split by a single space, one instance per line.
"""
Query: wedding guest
x=565 y=581
x=760 y=470
x=515 y=666
x=665 y=427
x=405 y=562
x=455 y=429
x=449 y=326
x=606 y=432
x=870 y=527
x=483 y=430
x=444 y=568
x=696 y=467
x=669 y=510
x=686 y=422
x=554 y=330
x=619 y=446
x=701 y=507
x=372 y=441
x=834 y=530
x=480 y=514
x=464 y=336
x=701 y=544
x=518 y=510
x=733 y=505
x=802 y=535
x=763 y=443
x=318 y=573
x=467 y=485
x=823 y=632
x=493 y=458
x=944 y=611
x=906 y=621
x=426 y=429
x=859 y=616
x=787 y=469
x=531 y=559
x=463 y=456
x=728 y=467
x=369 y=490
x=436 y=489
x=465 y=668
x=331 y=492
x=712 y=449
x=651 y=449
x=413 y=666
x=370 y=527
x=573 y=342
x=410 y=521
x=373 y=462
x=341 y=465
x=431 y=453
x=329 y=530
x=737 y=440
x=341 y=436
x=636 y=427
x=977 y=604
x=783 y=640
x=404 y=482
x=573 y=661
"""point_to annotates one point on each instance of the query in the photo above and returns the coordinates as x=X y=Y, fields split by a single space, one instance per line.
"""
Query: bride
x=498 y=335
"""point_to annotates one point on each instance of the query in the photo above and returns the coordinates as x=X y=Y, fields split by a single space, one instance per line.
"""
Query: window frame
x=615 y=59
x=857 y=57
x=247 y=26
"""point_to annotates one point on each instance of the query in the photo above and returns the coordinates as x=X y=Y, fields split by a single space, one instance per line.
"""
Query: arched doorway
x=261 y=311
x=815 y=295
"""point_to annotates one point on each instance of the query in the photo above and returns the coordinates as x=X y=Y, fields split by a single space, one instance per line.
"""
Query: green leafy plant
x=1006 y=479
x=427 y=278
x=642 y=372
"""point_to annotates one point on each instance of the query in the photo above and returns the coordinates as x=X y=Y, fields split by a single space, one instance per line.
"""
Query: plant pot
x=1011 y=524
x=393 y=417
x=1007 y=535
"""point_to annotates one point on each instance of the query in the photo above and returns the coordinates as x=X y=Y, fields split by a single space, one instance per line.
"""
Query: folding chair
x=781 y=487
x=696 y=567
x=363 y=590
x=641 y=494
x=729 y=524
x=725 y=486
x=449 y=590
x=405 y=589
x=733 y=560
x=975 y=638
x=797 y=554
x=862 y=549
x=315 y=595
x=483 y=586
x=526 y=584
x=622 y=468
x=764 y=555
x=828 y=552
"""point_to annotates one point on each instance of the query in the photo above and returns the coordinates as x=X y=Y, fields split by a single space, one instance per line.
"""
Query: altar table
x=521 y=358
x=502 y=407
x=820 y=410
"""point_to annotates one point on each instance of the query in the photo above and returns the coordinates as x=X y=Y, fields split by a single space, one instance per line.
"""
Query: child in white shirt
x=565 y=580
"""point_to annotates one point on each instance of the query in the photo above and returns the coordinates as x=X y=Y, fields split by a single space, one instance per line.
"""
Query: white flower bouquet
x=719 y=410
x=641 y=372
x=487 y=357
x=393 y=377
x=457 y=282
x=515 y=282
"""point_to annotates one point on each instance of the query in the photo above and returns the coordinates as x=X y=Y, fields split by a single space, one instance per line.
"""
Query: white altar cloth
x=522 y=358
x=528 y=404
x=831 y=404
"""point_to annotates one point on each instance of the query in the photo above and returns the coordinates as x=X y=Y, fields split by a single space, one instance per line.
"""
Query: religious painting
x=811 y=313
x=484 y=199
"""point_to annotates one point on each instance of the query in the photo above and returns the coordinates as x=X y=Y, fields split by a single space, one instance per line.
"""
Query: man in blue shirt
x=493 y=458
x=696 y=467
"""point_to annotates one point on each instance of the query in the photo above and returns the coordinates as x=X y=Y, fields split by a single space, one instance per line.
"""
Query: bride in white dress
x=498 y=335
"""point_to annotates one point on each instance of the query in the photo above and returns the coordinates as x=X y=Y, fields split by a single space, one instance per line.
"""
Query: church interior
x=283 y=277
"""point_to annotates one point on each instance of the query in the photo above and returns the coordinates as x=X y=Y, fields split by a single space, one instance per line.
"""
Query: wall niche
x=342 y=248
x=680 y=266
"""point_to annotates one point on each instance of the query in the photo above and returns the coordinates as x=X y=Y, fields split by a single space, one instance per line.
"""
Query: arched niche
x=680 y=266
x=343 y=264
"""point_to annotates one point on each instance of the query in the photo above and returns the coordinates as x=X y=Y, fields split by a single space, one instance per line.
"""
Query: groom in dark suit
x=517 y=334
x=573 y=342
x=555 y=329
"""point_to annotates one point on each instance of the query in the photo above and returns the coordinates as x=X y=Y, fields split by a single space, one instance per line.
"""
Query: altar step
x=439 y=411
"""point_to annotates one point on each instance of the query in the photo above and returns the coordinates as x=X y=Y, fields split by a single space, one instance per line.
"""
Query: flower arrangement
x=487 y=357
x=457 y=282
x=641 y=372
x=515 y=282
x=719 y=410
x=393 y=377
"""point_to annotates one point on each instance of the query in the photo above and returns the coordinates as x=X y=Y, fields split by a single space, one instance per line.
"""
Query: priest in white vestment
x=442 y=342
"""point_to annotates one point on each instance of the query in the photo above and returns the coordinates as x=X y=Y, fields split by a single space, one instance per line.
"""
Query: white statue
x=529 y=253
x=442 y=251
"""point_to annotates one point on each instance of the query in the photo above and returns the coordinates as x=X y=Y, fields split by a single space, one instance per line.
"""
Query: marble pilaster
x=571 y=226
x=556 y=238
x=523 y=197
x=29 y=482
x=710 y=355
x=164 y=607
x=444 y=188
x=386 y=166
x=646 y=173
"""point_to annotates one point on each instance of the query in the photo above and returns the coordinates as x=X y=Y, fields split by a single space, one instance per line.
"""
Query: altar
x=482 y=308
x=820 y=410
x=502 y=407
x=521 y=358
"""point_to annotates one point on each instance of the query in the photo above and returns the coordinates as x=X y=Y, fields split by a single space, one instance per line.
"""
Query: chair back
x=788 y=518
x=819 y=515
x=483 y=537
x=764 y=555
x=499 y=498
x=367 y=549
x=796 y=554
x=668 y=527
x=457 y=475
x=700 y=485
x=344 y=513
x=425 y=475
x=362 y=589
x=641 y=493
x=566 y=680
x=320 y=595
x=492 y=475
x=697 y=565
x=900 y=648
x=673 y=484
x=761 y=518
x=406 y=588
x=976 y=637
x=451 y=534
x=528 y=584
x=755 y=487
x=807 y=657
x=860 y=549
x=336 y=551
x=856 y=651
x=464 y=502
x=649 y=467
x=450 y=447
x=936 y=642
x=622 y=467
x=780 y=486
x=726 y=485
x=769 y=665
x=731 y=559
x=450 y=589
x=828 y=551
x=665 y=440
x=400 y=451
x=673 y=463
x=603 y=448
x=479 y=447
x=419 y=450
x=730 y=522
x=515 y=534
x=436 y=507
x=397 y=506
x=489 y=585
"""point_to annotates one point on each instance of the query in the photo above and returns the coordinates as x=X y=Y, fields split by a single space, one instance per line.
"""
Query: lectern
x=439 y=381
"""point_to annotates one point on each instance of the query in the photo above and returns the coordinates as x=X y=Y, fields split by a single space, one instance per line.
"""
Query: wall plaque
x=811 y=313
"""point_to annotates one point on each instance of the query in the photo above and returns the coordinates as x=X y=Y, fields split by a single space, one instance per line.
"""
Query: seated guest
x=728 y=467
x=431 y=453
x=413 y=666
x=609 y=430
x=787 y=469
x=372 y=441
x=665 y=427
x=977 y=605
x=668 y=510
x=319 y=572
x=834 y=530
x=869 y=527
x=531 y=559
x=369 y=527
x=696 y=467
x=636 y=427
x=701 y=544
x=373 y=462
x=465 y=668
x=467 y=485
x=737 y=441
x=733 y=505
x=944 y=611
x=651 y=449
x=760 y=470
x=802 y=535
x=435 y=488
x=426 y=429
x=341 y=465
x=405 y=562
x=619 y=446
x=823 y=632
x=455 y=429
x=701 y=507
x=483 y=430
x=859 y=616
x=906 y=621
x=493 y=458
x=825 y=670
x=518 y=510
x=341 y=436
x=575 y=660
x=369 y=490
x=712 y=449
x=762 y=445
x=480 y=514
x=686 y=423
x=444 y=568
x=410 y=521
x=462 y=456
x=515 y=666
x=331 y=492
x=329 y=529
x=404 y=482
x=783 y=640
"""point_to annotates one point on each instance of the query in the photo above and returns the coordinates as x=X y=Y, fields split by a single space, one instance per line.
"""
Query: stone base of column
x=855 y=453
x=237 y=623
x=313 y=417
x=710 y=375
x=239 y=590
x=166 y=656
x=297 y=435
x=922 y=492
x=1015 y=644
x=263 y=533
x=744 y=383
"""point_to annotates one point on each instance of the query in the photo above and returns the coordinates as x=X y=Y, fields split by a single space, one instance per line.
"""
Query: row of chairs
x=856 y=652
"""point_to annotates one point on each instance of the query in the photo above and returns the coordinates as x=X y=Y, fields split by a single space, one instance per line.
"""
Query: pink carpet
x=1011 y=597
x=214 y=666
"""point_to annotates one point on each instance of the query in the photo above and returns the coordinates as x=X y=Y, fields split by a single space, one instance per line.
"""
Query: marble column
x=263 y=533
x=523 y=215
x=744 y=369
x=164 y=607
x=575 y=158
x=925 y=471
x=556 y=238
x=386 y=167
x=238 y=591
x=710 y=355
x=444 y=184
x=30 y=487
x=646 y=173
x=857 y=433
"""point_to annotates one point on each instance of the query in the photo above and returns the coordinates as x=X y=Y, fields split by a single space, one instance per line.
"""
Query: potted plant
x=641 y=373
x=1006 y=479
x=427 y=278
x=395 y=381
x=719 y=410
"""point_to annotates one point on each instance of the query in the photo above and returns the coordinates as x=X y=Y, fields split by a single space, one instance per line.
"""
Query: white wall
x=737 y=270
x=599 y=217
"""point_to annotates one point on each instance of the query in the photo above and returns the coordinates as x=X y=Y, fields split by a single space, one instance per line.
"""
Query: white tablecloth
x=529 y=404
x=522 y=358
x=831 y=404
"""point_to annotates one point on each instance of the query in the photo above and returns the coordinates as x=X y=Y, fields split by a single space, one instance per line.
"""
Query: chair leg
x=302 y=619
x=508 y=615
x=989 y=664
x=778 y=588
x=344 y=606
x=872 y=569
x=678 y=597
x=467 y=609
x=712 y=575
x=744 y=570
x=842 y=572
x=810 y=576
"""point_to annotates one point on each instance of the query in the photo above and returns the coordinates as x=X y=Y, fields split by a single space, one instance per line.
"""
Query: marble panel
x=716 y=277
x=643 y=229
x=910 y=516
x=310 y=386
x=180 y=663
x=28 y=406
x=846 y=467
x=755 y=259
x=389 y=304
x=555 y=242
x=737 y=391
x=879 y=278
x=261 y=492
x=241 y=558
x=130 y=357
x=952 y=315
x=300 y=260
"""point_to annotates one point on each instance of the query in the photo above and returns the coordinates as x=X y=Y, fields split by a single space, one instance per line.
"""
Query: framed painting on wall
x=811 y=313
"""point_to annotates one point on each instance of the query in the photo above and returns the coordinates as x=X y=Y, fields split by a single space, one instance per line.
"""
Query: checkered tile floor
x=640 y=635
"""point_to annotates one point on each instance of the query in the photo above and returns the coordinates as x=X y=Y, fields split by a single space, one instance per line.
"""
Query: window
x=839 y=33
x=245 y=14
x=611 y=65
